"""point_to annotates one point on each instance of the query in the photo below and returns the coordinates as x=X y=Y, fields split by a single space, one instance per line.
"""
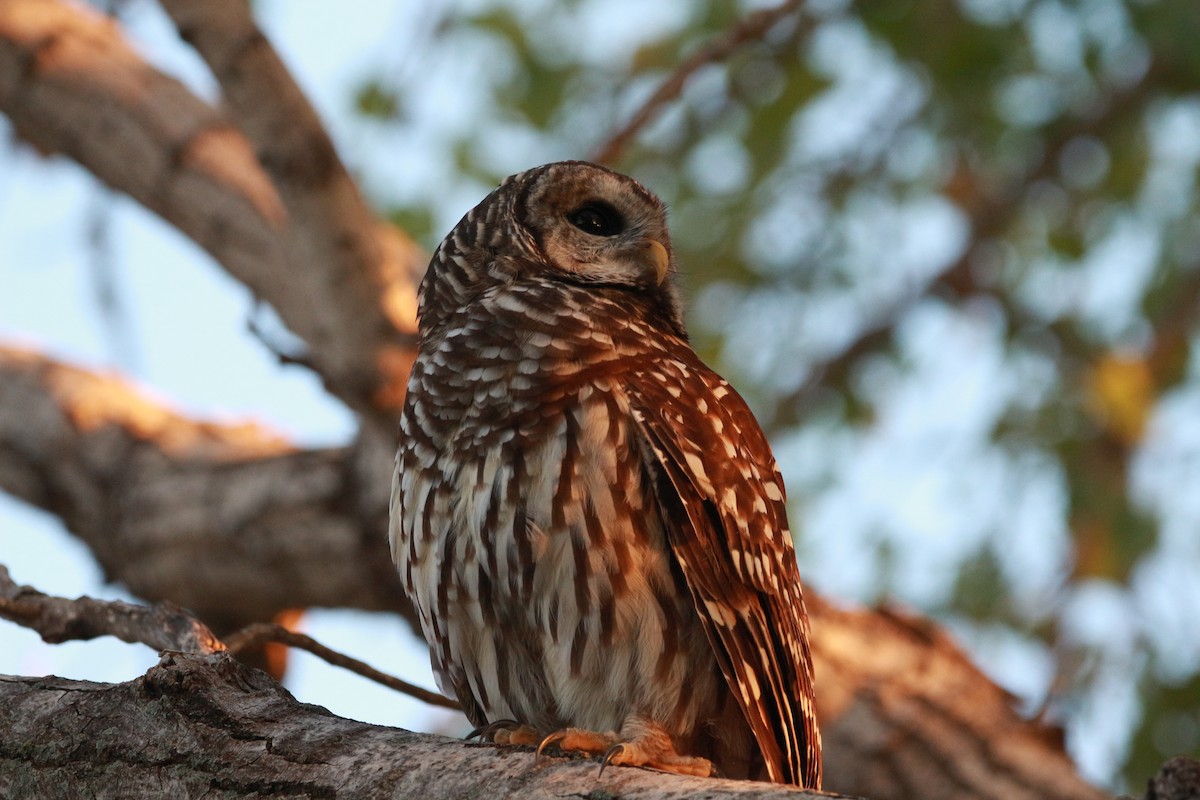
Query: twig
x=295 y=355
x=753 y=26
x=261 y=632
x=163 y=626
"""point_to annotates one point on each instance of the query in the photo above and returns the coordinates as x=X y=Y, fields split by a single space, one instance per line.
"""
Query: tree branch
x=264 y=632
x=359 y=274
x=754 y=26
x=298 y=235
x=905 y=714
x=208 y=726
x=228 y=520
x=163 y=626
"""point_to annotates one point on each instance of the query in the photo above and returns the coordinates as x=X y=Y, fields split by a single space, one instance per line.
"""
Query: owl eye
x=597 y=218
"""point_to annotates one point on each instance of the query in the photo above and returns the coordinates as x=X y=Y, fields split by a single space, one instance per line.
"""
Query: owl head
x=570 y=224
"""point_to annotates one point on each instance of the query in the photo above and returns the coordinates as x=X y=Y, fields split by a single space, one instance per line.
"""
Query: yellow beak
x=658 y=258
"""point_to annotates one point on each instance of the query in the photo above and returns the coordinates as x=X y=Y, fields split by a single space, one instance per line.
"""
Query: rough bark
x=207 y=726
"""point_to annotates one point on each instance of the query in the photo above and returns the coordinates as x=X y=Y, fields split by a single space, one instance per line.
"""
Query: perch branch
x=207 y=726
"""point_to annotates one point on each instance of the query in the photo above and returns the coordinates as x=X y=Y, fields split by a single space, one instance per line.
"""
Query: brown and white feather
x=588 y=520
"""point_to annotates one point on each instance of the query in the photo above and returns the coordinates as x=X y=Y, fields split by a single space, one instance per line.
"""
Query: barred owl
x=588 y=519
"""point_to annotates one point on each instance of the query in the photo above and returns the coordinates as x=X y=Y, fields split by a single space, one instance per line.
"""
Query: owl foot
x=506 y=731
x=641 y=743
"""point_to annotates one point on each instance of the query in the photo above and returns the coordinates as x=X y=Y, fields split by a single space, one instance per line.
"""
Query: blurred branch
x=359 y=275
x=1178 y=779
x=752 y=27
x=297 y=234
x=114 y=314
x=163 y=626
x=228 y=520
x=263 y=632
x=904 y=714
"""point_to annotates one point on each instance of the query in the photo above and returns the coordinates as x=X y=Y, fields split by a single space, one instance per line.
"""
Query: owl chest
x=547 y=500
x=532 y=544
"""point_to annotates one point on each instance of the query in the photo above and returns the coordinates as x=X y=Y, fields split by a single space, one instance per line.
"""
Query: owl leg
x=507 y=731
x=640 y=743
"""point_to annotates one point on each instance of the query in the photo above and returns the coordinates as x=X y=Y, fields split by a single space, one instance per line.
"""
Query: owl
x=588 y=520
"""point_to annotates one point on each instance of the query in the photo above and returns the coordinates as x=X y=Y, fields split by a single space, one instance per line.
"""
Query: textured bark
x=206 y=726
x=297 y=233
x=1178 y=779
x=229 y=521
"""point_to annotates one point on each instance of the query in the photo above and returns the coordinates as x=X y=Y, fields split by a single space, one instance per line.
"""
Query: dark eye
x=597 y=218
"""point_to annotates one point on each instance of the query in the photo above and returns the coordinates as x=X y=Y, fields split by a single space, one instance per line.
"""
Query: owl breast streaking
x=588 y=519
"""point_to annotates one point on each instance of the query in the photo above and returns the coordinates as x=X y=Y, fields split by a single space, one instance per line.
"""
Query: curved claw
x=609 y=755
x=550 y=740
x=486 y=732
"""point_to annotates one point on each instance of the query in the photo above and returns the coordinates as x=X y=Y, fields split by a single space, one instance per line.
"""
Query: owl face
x=596 y=226
x=564 y=230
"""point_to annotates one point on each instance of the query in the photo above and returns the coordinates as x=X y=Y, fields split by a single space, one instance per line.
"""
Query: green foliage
x=376 y=101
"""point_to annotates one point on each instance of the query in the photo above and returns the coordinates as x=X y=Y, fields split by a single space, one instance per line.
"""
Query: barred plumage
x=588 y=519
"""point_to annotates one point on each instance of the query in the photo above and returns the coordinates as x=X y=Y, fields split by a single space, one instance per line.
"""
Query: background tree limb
x=228 y=520
x=297 y=233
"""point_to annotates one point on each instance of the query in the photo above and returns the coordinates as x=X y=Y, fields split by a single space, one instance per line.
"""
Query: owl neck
x=514 y=332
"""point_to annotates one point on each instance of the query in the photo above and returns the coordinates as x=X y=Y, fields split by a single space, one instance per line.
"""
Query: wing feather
x=726 y=521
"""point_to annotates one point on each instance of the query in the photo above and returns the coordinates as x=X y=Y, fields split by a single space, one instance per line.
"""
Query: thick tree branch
x=207 y=726
x=357 y=275
x=905 y=714
x=298 y=235
x=228 y=520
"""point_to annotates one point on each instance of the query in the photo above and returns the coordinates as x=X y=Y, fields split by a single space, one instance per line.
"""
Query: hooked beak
x=657 y=261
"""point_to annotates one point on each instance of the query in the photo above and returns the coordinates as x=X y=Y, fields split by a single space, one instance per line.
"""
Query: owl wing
x=724 y=513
